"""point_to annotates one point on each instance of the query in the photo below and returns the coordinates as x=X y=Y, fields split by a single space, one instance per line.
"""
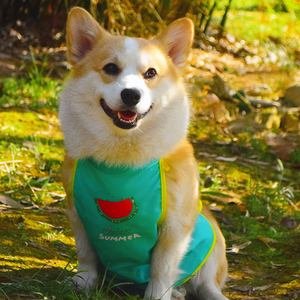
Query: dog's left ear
x=177 y=39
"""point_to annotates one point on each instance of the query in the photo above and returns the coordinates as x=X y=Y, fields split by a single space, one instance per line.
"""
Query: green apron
x=121 y=209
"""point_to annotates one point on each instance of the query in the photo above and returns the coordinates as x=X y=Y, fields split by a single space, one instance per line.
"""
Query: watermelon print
x=117 y=212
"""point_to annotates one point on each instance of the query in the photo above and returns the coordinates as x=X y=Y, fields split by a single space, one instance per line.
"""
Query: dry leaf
x=214 y=108
x=242 y=246
x=262 y=288
x=277 y=265
x=45 y=248
x=234 y=237
x=282 y=146
x=52 y=209
x=267 y=240
x=8 y=201
x=227 y=159
x=52 y=226
x=242 y=288
x=237 y=248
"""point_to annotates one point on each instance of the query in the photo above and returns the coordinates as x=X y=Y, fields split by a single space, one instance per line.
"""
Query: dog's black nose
x=130 y=97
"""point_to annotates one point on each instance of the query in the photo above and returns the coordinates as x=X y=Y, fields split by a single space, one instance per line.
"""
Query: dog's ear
x=82 y=34
x=177 y=39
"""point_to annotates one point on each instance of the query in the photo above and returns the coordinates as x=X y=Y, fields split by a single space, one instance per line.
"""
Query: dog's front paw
x=178 y=293
x=158 y=289
x=83 y=280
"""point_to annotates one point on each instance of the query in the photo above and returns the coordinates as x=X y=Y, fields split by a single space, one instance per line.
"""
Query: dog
x=129 y=172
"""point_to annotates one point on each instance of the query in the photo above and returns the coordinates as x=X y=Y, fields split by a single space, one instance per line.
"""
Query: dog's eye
x=111 y=69
x=150 y=73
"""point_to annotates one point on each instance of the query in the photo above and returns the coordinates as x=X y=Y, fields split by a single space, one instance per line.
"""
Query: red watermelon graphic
x=117 y=212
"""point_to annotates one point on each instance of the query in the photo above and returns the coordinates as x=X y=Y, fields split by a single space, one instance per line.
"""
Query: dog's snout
x=130 y=97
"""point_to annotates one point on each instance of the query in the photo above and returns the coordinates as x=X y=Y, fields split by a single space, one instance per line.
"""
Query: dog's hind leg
x=209 y=280
x=203 y=285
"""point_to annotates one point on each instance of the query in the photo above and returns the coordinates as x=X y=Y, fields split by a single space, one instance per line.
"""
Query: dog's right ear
x=82 y=34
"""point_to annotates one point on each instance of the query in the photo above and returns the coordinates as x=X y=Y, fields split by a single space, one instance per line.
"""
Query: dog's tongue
x=127 y=115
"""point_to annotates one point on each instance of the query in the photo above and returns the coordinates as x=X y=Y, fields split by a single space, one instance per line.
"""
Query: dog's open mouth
x=125 y=119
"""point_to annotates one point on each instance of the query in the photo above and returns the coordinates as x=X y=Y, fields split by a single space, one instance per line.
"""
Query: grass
x=36 y=91
x=261 y=25
x=32 y=153
x=30 y=93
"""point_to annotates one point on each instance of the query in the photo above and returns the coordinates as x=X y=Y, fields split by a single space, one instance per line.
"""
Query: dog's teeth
x=130 y=121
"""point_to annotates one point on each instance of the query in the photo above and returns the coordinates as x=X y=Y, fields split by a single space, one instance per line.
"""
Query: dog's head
x=123 y=84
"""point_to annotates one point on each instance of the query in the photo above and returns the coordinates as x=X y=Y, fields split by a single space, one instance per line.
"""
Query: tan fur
x=219 y=248
x=67 y=176
x=161 y=134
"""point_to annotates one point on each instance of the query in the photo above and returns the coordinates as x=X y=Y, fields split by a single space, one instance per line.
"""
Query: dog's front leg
x=88 y=261
x=178 y=224
x=87 y=257
x=171 y=246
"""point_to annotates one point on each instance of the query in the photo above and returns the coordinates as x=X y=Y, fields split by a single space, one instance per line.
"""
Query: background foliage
x=136 y=17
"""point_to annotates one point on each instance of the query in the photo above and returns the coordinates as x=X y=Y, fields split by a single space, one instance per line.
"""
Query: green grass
x=30 y=93
x=32 y=149
x=34 y=91
x=254 y=25
x=264 y=5
x=257 y=20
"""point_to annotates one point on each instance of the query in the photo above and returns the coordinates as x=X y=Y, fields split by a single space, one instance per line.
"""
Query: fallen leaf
x=8 y=201
x=242 y=288
x=267 y=240
x=227 y=159
x=51 y=209
x=208 y=155
x=234 y=237
x=236 y=248
x=63 y=244
x=277 y=265
x=262 y=288
x=242 y=246
x=45 y=248
x=52 y=226
x=256 y=162
x=282 y=146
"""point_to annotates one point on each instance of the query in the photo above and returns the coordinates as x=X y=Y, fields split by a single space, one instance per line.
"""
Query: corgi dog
x=129 y=172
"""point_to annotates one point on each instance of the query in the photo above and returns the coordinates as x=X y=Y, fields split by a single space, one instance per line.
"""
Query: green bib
x=121 y=209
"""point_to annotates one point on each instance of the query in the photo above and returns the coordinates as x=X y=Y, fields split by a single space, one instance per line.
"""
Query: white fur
x=88 y=259
x=128 y=79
